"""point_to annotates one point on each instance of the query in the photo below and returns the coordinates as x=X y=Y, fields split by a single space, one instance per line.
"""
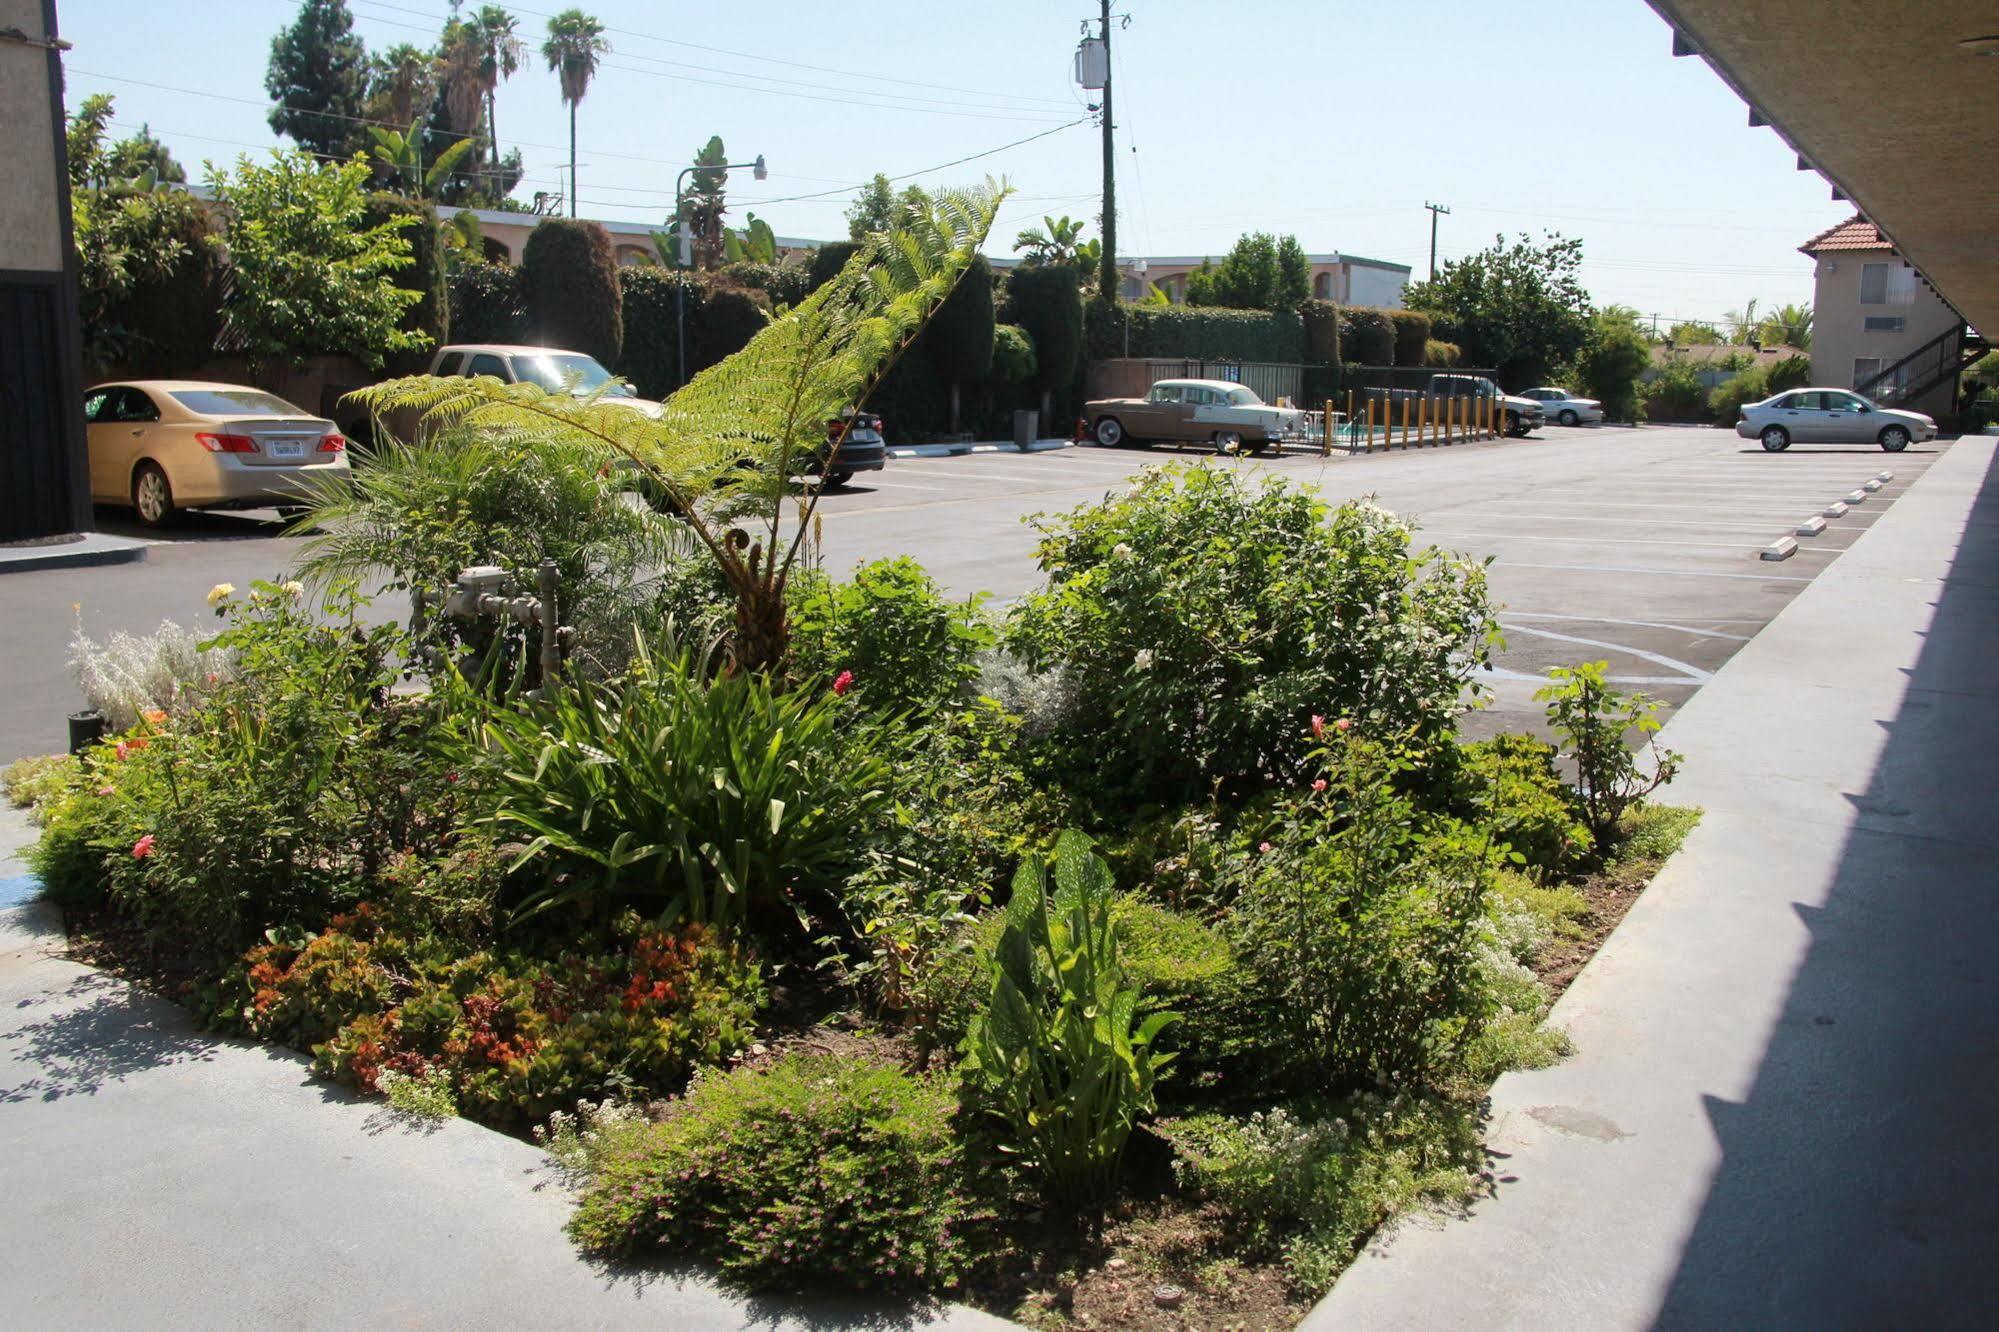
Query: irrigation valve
x=486 y=590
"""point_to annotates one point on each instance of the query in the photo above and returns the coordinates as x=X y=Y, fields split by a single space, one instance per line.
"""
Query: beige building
x=1877 y=326
x=506 y=236
x=1346 y=278
x=43 y=488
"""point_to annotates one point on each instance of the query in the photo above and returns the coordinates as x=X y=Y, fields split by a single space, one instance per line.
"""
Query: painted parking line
x=1663 y=573
x=1588 y=518
x=1689 y=673
x=1638 y=624
x=1433 y=533
x=1774 y=511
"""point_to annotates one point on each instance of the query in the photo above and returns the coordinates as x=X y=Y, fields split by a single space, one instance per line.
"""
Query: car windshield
x=233 y=402
x=1242 y=397
x=560 y=371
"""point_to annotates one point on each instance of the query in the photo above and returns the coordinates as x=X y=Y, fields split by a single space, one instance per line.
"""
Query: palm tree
x=403 y=81
x=500 y=61
x=575 y=40
x=1055 y=245
x=1790 y=325
x=1742 y=324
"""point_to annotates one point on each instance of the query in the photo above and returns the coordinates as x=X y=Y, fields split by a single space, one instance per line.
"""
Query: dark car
x=861 y=451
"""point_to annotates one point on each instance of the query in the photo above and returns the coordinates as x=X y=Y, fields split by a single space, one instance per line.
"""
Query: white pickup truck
x=551 y=367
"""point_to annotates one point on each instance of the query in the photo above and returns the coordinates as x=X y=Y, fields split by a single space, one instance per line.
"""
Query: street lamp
x=761 y=172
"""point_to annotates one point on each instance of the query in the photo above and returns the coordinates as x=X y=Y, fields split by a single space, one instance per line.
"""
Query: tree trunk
x=492 y=144
x=954 y=406
x=572 y=159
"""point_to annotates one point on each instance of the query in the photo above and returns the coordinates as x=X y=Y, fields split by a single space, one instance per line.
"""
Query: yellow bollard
x=1326 y=441
x=1370 y=425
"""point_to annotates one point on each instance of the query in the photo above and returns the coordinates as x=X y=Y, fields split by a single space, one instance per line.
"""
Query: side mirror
x=1865 y=408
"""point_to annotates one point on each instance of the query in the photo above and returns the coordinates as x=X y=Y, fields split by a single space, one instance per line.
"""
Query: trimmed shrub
x=1367 y=336
x=827 y=261
x=813 y=1168
x=488 y=303
x=1412 y=336
x=425 y=275
x=1044 y=300
x=1789 y=373
x=1204 y=618
x=1510 y=784
x=1013 y=355
x=1321 y=320
x=784 y=284
x=647 y=295
x=572 y=288
x=1209 y=333
x=906 y=644
x=724 y=323
x=1442 y=355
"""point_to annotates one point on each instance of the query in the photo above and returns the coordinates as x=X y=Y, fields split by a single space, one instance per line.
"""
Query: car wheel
x=1568 y=418
x=1894 y=439
x=1775 y=439
x=152 y=495
x=1228 y=441
x=1110 y=433
x=1513 y=425
x=840 y=478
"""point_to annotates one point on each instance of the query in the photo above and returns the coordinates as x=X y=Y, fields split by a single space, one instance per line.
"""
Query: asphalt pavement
x=1639 y=547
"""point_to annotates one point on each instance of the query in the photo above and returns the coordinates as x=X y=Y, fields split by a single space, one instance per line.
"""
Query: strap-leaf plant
x=1059 y=1052
x=725 y=447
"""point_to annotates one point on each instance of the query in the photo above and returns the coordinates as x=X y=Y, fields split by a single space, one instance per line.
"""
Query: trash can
x=1026 y=428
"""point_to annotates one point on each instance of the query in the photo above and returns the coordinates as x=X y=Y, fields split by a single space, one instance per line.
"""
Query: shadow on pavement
x=1857 y=1182
x=96 y=1031
x=194 y=525
x=820 y=1311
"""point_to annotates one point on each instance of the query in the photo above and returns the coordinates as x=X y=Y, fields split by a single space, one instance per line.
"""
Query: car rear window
x=233 y=402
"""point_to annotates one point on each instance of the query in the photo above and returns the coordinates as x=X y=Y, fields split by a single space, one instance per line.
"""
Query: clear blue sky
x=1335 y=121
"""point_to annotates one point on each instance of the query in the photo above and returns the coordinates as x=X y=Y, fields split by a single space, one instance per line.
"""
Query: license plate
x=286 y=448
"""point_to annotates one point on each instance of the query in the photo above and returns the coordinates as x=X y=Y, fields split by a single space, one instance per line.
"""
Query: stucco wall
x=1378 y=287
x=30 y=225
x=1839 y=332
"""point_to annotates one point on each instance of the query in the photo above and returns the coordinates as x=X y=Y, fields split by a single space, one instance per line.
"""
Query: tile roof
x=1856 y=233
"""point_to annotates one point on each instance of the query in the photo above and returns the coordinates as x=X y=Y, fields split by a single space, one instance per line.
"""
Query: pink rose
x=143 y=847
x=123 y=751
x=1344 y=724
x=1318 y=726
x=1319 y=784
x=107 y=790
x=1264 y=848
x=843 y=682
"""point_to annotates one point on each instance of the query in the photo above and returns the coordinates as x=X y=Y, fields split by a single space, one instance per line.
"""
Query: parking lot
x=1638 y=547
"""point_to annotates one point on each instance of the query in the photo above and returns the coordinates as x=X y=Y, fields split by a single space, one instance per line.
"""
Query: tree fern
x=725 y=446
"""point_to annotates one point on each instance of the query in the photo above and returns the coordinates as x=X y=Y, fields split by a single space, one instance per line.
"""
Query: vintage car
x=1227 y=416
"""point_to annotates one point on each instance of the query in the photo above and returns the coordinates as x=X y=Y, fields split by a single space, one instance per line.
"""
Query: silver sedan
x=1564 y=408
x=166 y=444
x=1830 y=416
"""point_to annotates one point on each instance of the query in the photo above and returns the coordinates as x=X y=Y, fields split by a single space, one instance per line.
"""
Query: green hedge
x=729 y=318
x=572 y=288
x=425 y=275
x=1045 y=300
x=1321 y=321
x=827 y=260
x=784 y=284
x=720 y=321
x=1367 y=336
x=1205 y=333
x=175 y=319
x=1412 y=336
x=488 y=303
x=1436 y=353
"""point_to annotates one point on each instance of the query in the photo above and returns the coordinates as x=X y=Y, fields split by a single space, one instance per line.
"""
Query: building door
x=43 y=485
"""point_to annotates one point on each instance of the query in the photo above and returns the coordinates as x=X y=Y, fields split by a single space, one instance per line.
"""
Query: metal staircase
x=1944 y=357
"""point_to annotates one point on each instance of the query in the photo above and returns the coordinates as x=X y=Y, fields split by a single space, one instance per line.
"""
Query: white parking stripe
x=1636 y=624
x=1588 y=518
x=1664 y=573
x=1433 y=533
x=1690 y=674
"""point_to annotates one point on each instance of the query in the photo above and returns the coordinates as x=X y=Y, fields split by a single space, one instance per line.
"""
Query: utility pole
x=1107 y=274
x=1434 y=210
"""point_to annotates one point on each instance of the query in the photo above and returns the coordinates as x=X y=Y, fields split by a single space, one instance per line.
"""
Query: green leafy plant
x=890 y=625
x=1204 y=617
x=685 y=791
x=725 y=449
x=1509 y=783
x=810 y=1169
x=570 y=277
x=422 y=1096
x=1593 y=719
x=1361 y=925
x=309 y=274
x=1061 y=1055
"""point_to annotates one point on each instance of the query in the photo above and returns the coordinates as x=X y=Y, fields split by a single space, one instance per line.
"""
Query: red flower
x=1344 y=724
x=143 y=847
x=843 y=682
x=1318 y=727
x=1319 y=784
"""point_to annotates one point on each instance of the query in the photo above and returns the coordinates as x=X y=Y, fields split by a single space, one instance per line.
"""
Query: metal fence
x=1133 y=377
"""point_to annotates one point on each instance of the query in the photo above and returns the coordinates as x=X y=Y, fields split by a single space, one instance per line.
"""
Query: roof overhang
x=1884 y=101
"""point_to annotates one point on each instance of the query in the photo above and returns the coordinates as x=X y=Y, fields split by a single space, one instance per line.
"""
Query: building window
x=1865 y=368
x=1886 y=323
x=1887 y=284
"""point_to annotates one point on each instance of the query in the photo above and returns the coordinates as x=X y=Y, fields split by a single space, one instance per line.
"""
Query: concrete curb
x=94 y=549
x=1835 y=510
x=1783 y=548
x=1811 y=527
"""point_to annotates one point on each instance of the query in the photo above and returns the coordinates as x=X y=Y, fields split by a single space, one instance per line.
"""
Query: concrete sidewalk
x=1787 y=1056
x=156 y=1177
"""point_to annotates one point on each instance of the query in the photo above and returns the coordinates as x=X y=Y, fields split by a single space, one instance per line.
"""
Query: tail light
x=333 y=442
x=226 y=443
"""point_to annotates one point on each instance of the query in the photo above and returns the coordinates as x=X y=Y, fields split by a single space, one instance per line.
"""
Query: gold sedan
x=160 y=445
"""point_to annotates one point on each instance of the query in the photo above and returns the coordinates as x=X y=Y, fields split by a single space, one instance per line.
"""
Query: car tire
x=1513 y=425
x=1109 y=433
x=1228 y=442
x=1775 y=439
x=1569 y=418
x=838 y=479
x=152 y=495
x=1894 y=439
